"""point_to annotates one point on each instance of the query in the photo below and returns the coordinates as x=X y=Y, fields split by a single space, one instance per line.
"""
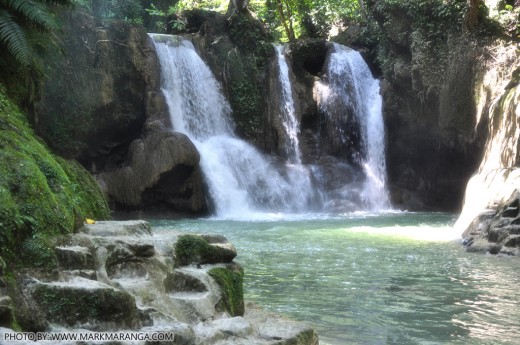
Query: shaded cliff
x=429 y=66
x=102 y=105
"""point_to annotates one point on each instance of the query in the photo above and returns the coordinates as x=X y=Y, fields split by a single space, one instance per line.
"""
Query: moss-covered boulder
x=230 y=278
x=40 y=195
x=197 y=249
x=86 y=303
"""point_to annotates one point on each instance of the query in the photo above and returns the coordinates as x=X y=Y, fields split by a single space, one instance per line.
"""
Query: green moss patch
x=40 y=195
x=195 y=249
x=230 y=279
x=72 y=305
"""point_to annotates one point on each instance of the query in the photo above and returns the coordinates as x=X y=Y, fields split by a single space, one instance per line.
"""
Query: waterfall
x=288 y=113
x=350 y=85
x=241 y=180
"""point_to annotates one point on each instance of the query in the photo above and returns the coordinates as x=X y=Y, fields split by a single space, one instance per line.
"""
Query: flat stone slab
x=118 y=228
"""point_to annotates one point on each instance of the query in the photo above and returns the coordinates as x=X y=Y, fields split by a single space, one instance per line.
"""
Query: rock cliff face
x=489 y=218
x=429 y=66
x=121 y=276
x=237 y=50
x=102 y=105
x=452 y=110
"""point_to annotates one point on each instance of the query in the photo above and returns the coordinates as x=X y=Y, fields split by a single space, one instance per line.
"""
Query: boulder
x=74 y=258
x=85 y=303
x=161 y=173
x=496 y=231
x=196 y=249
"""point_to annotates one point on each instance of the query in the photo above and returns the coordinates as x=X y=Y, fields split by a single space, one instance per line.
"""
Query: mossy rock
x=41 y=195
x=230 y=278
x=195 y=249
x=95 y=305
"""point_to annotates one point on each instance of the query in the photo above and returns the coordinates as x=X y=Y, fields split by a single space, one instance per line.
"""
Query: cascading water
x=241 y=181
x=288 y=113
x=352 y=86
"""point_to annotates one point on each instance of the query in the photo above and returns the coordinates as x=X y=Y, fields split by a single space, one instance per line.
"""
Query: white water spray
x=240 y=179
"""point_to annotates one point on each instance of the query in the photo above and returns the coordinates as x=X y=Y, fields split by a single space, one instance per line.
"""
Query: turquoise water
x=396 y=278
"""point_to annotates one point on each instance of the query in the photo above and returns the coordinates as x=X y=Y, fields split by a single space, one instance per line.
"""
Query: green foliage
x=18 y=18
x=38 y=251
x=209 y=5
x=245 y=98
x=308 y=18
x=38 y=197
x=230 y=279
x=435 y=17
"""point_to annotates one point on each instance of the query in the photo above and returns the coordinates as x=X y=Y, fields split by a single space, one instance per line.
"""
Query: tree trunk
x=472 y=18
x=286 y=22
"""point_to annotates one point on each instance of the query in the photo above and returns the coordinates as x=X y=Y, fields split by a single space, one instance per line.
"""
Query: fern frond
x=12 y=36
x=32 y=11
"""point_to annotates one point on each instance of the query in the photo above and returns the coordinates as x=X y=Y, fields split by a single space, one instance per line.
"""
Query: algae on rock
x=230 y=278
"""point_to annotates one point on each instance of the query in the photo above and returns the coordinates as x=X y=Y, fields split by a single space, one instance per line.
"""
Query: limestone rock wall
x=491 y=201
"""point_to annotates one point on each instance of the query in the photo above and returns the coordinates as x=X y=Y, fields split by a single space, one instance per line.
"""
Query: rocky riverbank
x=122 y=276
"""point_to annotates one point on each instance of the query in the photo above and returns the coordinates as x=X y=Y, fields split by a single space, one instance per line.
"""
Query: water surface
x=394 y=278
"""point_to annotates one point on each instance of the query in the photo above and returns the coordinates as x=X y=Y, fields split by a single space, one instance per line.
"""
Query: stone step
x=74 y=258
x=118 y=228
x=84 y=303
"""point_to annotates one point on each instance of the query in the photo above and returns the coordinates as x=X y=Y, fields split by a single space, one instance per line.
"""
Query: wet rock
x=237 y=326
x=495 y=231
x=183 y=334
x=184 y=281
x=274 y=328
x=197 y=304
x=74 y=258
